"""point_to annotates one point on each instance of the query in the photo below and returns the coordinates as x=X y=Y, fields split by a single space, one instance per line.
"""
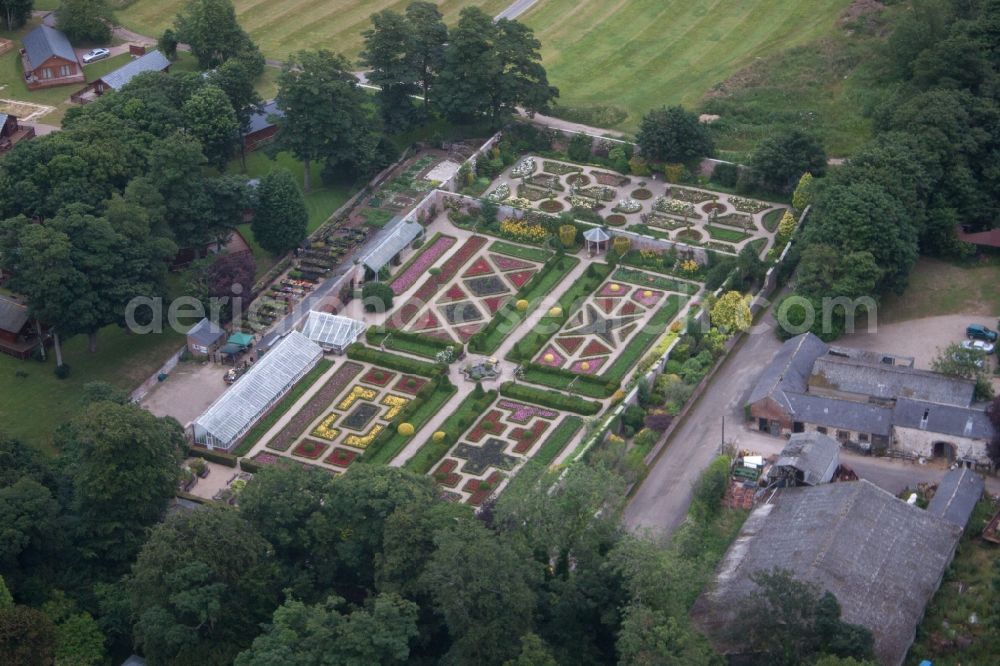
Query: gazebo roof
x=596 y=235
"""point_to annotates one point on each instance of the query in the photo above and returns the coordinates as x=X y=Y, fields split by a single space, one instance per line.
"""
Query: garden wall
x=452 y=184
x=154 y=379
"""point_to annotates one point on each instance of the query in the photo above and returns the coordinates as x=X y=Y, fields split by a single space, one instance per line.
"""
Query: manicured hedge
x=552 y=399
x=227 y=459
x=390 y=443
x=409 y=342
x=359 y=352
x=558 y=378
x=432 y=452
x=279 y=410
x=558 y=440
x=507 y=318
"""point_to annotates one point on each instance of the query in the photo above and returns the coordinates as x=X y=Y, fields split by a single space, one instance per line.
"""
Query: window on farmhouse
x=843 y=435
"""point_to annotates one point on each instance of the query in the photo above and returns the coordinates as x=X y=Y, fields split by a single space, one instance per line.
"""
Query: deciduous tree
x=428 y=37
x=16 y=12
x=731 y=312
x=87 y=21
x=673 y=134
x=211 y=28
x=388 y=45
x=27 y=637
x=780 y=160
x=279 y=222
x=210 y=118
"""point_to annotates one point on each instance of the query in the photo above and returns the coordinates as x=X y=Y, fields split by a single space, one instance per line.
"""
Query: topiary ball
x=555 y=312
x=616 y=287
x=585 y=366
x=549 y=358
x=405 y=429
x=647 y=293
x=439 y=436
x=522 y=305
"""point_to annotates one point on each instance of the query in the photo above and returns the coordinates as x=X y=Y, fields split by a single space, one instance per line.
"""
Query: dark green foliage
x=673 y=135
x=726 y=174
x=579 y=149
x=168 y=43
x=359 y=352
x=279 y=222
x=16 y=12
x=27 y=637
x=537 y=396
x=210 y=118
x=464 y=416
x=377 y=296
x=419 y=344
x=86 y=21
x=211 y=29
x=780 y=161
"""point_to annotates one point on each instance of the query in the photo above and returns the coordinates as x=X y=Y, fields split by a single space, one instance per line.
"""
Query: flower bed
x=316 y=406
x=341 y=457
x=520 y=278
x=610 y=179
x=714 y=206
x=421 y=264
x=446 y=475
x=409 y=384
x=362 y=442
x=614 y=290
x=479 y=267
x=481 y=490
x=579 y=180
x=551 y=205
x=454 y=293
x=361 y=416
x=395 y=404
x=524 y=168
x=595 y=348
x=325 y=429
x=522 y=413
x=263 y=458
x=491 y=424
x=748 y=205
x=642 y=194
x=560 y=169
x=531 y=193
x=500 y=194
x=664 y=222
x=310 y=449
x=546 y=182
x=526 y=438
x=521 y=230
x=689 y=236
x=691 y=196
x=506 y=264
x=551 y=356
x=599 y=192
x=627 y=206
x=588 y=367
x=465 y=312
x=735 y=220
x=647 y=297
x=357 y=393
x=431 y=285
x=721 y=247
x=378 y=377
x=583 y=202
x=665 y=205
x=615 y=220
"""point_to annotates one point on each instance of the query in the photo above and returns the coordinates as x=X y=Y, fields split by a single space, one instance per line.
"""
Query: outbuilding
x=205 y=337
x=154 y=61
x=16 y=336
x=388 y=245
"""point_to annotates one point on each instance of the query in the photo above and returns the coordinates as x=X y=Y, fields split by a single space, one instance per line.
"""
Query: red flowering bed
x=506 y=264
x=454 y=293
x=606 y=304
x=341 y=457
x=433 y=283
x=426 y=321
x=526 y=438
x=319 y=404
x=629 y=308
x=446 y=475
x=520 y=278
x=378 y=377
x=479 y=492
x=479 y=267
x=310 y=448
x=570 y=344
x=494 y=303
x=595 y=348
x=467 y=331
x=496 y=427
x=409 y=384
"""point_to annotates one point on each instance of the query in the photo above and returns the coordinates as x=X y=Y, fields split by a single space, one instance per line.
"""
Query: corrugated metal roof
x=252 y=395
x=154 y=61
x=813 y=454
x=393 y=240
x=13 y=315
x=330 y=330
x=44 y=42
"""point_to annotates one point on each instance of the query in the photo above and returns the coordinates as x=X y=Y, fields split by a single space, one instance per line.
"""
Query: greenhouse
x=394 y=239
x=332 y=332
x=233 y=414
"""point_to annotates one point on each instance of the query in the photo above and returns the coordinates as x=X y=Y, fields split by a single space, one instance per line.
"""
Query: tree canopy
x=280 y=220
x=673 y=135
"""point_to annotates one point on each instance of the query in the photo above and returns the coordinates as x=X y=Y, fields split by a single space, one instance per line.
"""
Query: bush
x=214 y=456
x=725 y=174
x=377 y=297
x=579 y=149
x=62 y=371
x=710 y=488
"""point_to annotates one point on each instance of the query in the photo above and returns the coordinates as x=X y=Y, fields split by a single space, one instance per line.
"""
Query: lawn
x=939 y=288
x=283 y=27
x=123 y=360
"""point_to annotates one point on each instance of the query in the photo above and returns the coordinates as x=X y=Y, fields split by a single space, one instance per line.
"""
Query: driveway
x=187 y=392
x=919 y=338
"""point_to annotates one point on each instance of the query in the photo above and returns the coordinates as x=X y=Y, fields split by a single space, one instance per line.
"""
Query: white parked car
x=979 y=345
x=95 y=54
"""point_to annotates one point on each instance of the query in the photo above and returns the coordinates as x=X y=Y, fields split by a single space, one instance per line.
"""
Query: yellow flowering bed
x=357 y=393
x=324 y=429
x=690 y=266
x=395 y=404
x=520 y=230
x=362 y=442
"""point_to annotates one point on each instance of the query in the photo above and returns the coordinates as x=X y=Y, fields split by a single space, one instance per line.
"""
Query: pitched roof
x=944 y=419
x=882 y=558
x=13 y=315
x=393 y=240
x=842 y=414
x=815 y=455
x=206 y=332
x=790 y=368
x=889 y=381
x=596 y=235
x=262 y=119
x=3 y=119
x=956 y=496
x=154 y=61
x=329 y=330
x=44 y=42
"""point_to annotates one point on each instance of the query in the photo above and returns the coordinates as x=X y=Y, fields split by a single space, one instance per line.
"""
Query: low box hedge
x=220 y=457
x=390 y=443
x=359 y=352
x=552 y=399
x=409 y=342
x=432 y=452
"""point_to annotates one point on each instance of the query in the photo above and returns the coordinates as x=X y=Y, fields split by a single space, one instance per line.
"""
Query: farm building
x=883 y=560
x=332 y=332
x=398 y=235
x=869 y=400
x=49 y=60
x=205 y=337
x=12 y=132
x=16 y=335
x=154 y=61
x=809 y=459
x=262 y=126
x=239 y=408
x=956 y=496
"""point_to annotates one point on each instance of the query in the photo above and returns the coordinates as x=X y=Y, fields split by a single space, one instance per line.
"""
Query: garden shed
x=396 y=237
x=332 y=332
x=205 y=337
x=236 y=411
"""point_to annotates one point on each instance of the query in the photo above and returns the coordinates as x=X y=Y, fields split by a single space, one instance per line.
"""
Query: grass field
x=285 y=26
x=940 y=288
x=32 y=407
x=639 y=54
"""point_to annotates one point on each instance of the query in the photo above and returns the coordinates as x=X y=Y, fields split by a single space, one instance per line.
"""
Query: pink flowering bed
x=557 y=359
x=433 y=283
x=609 y=290
x=522 y=413
x=647 y=297
x=266 y=458
x=419 y=267
x=593 y=365
x=479 y=267
x=519 y=278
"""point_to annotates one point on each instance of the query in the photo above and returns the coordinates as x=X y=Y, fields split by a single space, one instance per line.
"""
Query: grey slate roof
x=393 y=240
x=13 y=315
x=882 y=558
x=44 y=42
x=890 y=381
x=945 y=419
x=956 y=496
x=205 y=332
x=813 y=454
x=262 y=119
x=154 y=61
x=790 y=369
x=843 y=414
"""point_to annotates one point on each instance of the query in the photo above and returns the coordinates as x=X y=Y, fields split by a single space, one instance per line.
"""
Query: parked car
x=980 y=332
x=979 y=345
x=95 y=54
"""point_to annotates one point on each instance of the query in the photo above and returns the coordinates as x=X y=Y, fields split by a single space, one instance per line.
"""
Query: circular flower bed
x=642 y=193
x=579 y=180
x=689 y=236
x=713 y=206
x=551 y=206
x=616 y=220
